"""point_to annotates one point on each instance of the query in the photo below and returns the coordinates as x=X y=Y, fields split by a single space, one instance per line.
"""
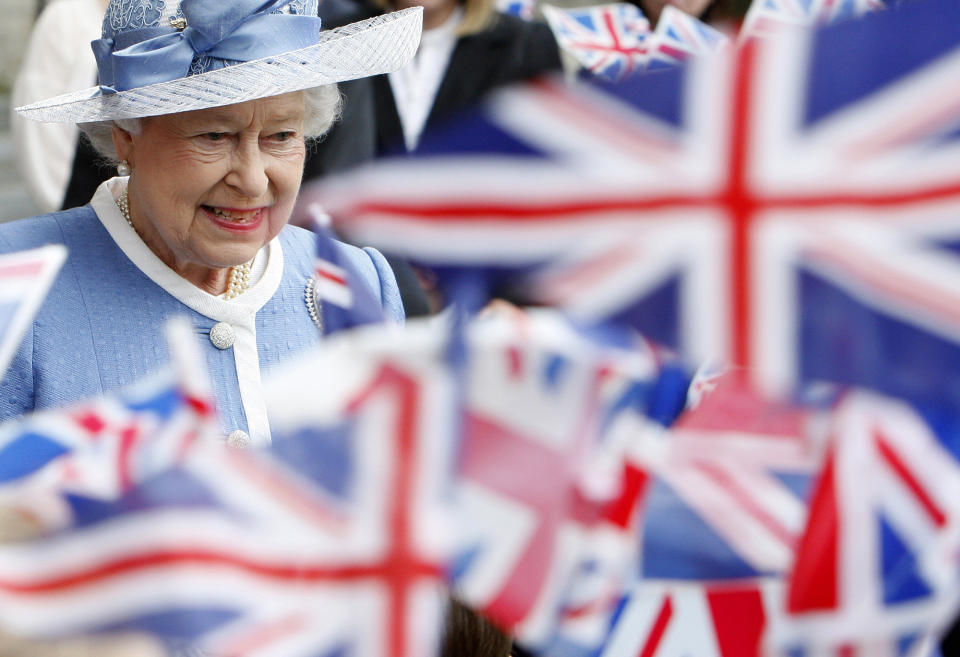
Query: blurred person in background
x=44 y=152
x=468 y=49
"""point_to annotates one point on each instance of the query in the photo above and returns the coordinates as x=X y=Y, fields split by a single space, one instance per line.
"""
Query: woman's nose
x=248 y=173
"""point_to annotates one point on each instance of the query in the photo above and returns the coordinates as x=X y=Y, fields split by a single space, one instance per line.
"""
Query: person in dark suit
x=468 y=49
x=352 y=140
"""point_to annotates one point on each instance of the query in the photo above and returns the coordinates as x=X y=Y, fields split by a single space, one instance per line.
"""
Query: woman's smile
x=242 y=220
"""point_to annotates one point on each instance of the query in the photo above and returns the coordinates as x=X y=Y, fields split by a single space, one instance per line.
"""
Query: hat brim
x=377 y=45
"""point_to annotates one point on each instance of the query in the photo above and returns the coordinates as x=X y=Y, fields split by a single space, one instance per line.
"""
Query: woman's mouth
x=235 y=218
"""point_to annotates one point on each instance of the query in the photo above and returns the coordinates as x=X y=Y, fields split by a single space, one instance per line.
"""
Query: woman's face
x=208 y=188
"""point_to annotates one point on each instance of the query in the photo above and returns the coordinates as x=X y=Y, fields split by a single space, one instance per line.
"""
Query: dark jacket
x=508 y=50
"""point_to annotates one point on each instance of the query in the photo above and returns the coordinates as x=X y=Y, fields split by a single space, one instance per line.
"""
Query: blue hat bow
x=225 y=32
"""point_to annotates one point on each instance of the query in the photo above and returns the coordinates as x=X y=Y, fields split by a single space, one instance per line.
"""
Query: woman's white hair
x=322 y=106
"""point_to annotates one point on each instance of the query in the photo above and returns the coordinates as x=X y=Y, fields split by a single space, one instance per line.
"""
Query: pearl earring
x=123 y=168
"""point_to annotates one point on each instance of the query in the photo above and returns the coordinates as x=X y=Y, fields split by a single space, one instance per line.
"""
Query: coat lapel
x=389 y=130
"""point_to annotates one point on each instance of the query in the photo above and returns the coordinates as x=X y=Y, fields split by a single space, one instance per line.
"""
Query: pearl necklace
x=239 y=276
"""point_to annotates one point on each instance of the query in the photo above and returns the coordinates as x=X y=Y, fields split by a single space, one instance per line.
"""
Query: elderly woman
x=206 y=106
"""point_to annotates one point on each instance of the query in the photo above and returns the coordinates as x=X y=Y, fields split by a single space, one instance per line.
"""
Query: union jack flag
x=328 y=543
x=736 y=466
x=870 y=570
x=791 y=206
x=771 y=17
x=336 y=295
x=174 y=558
x=104 y=447
x=679 y=36
x=876 y=568
x=25 y=278
x=730 y=496
x=545 y=555
x=387 y=445
x=724 y=508
x=607 y=40
x=677 y=619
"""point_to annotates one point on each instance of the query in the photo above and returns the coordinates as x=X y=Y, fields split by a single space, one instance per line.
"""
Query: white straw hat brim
x=381 y=44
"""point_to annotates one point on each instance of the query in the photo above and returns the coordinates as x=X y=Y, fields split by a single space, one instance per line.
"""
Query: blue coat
x=102 y=324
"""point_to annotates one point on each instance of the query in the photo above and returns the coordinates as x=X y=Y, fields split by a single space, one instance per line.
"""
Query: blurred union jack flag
x=876 y=568
x=676 y=619
x=730 y=494
x=25 y=278
x=545 y=555
x=103 y=447
x=791 y=207
x=380 y=445
x=719 y=527
x=679 y=36
x=336 y=296
x=177 y=557
x=770 y=17
x=735 y=565
x=325 y=544
x=607 y=40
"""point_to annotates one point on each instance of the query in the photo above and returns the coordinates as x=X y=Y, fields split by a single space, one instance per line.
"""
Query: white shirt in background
x=415 y=86
x=58 y=59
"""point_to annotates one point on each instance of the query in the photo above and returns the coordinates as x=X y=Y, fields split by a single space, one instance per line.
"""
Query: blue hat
x=162 y=56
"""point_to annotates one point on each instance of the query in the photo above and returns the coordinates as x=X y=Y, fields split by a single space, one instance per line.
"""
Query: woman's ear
x=123 y=144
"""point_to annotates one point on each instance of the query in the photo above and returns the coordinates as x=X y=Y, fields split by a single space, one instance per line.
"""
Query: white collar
x=236 y=310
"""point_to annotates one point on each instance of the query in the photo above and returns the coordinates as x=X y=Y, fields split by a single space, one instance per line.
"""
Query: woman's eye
x=214 y=136
x=283 y=136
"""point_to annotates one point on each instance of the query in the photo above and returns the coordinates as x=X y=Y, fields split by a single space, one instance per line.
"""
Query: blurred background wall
x=18 y=17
